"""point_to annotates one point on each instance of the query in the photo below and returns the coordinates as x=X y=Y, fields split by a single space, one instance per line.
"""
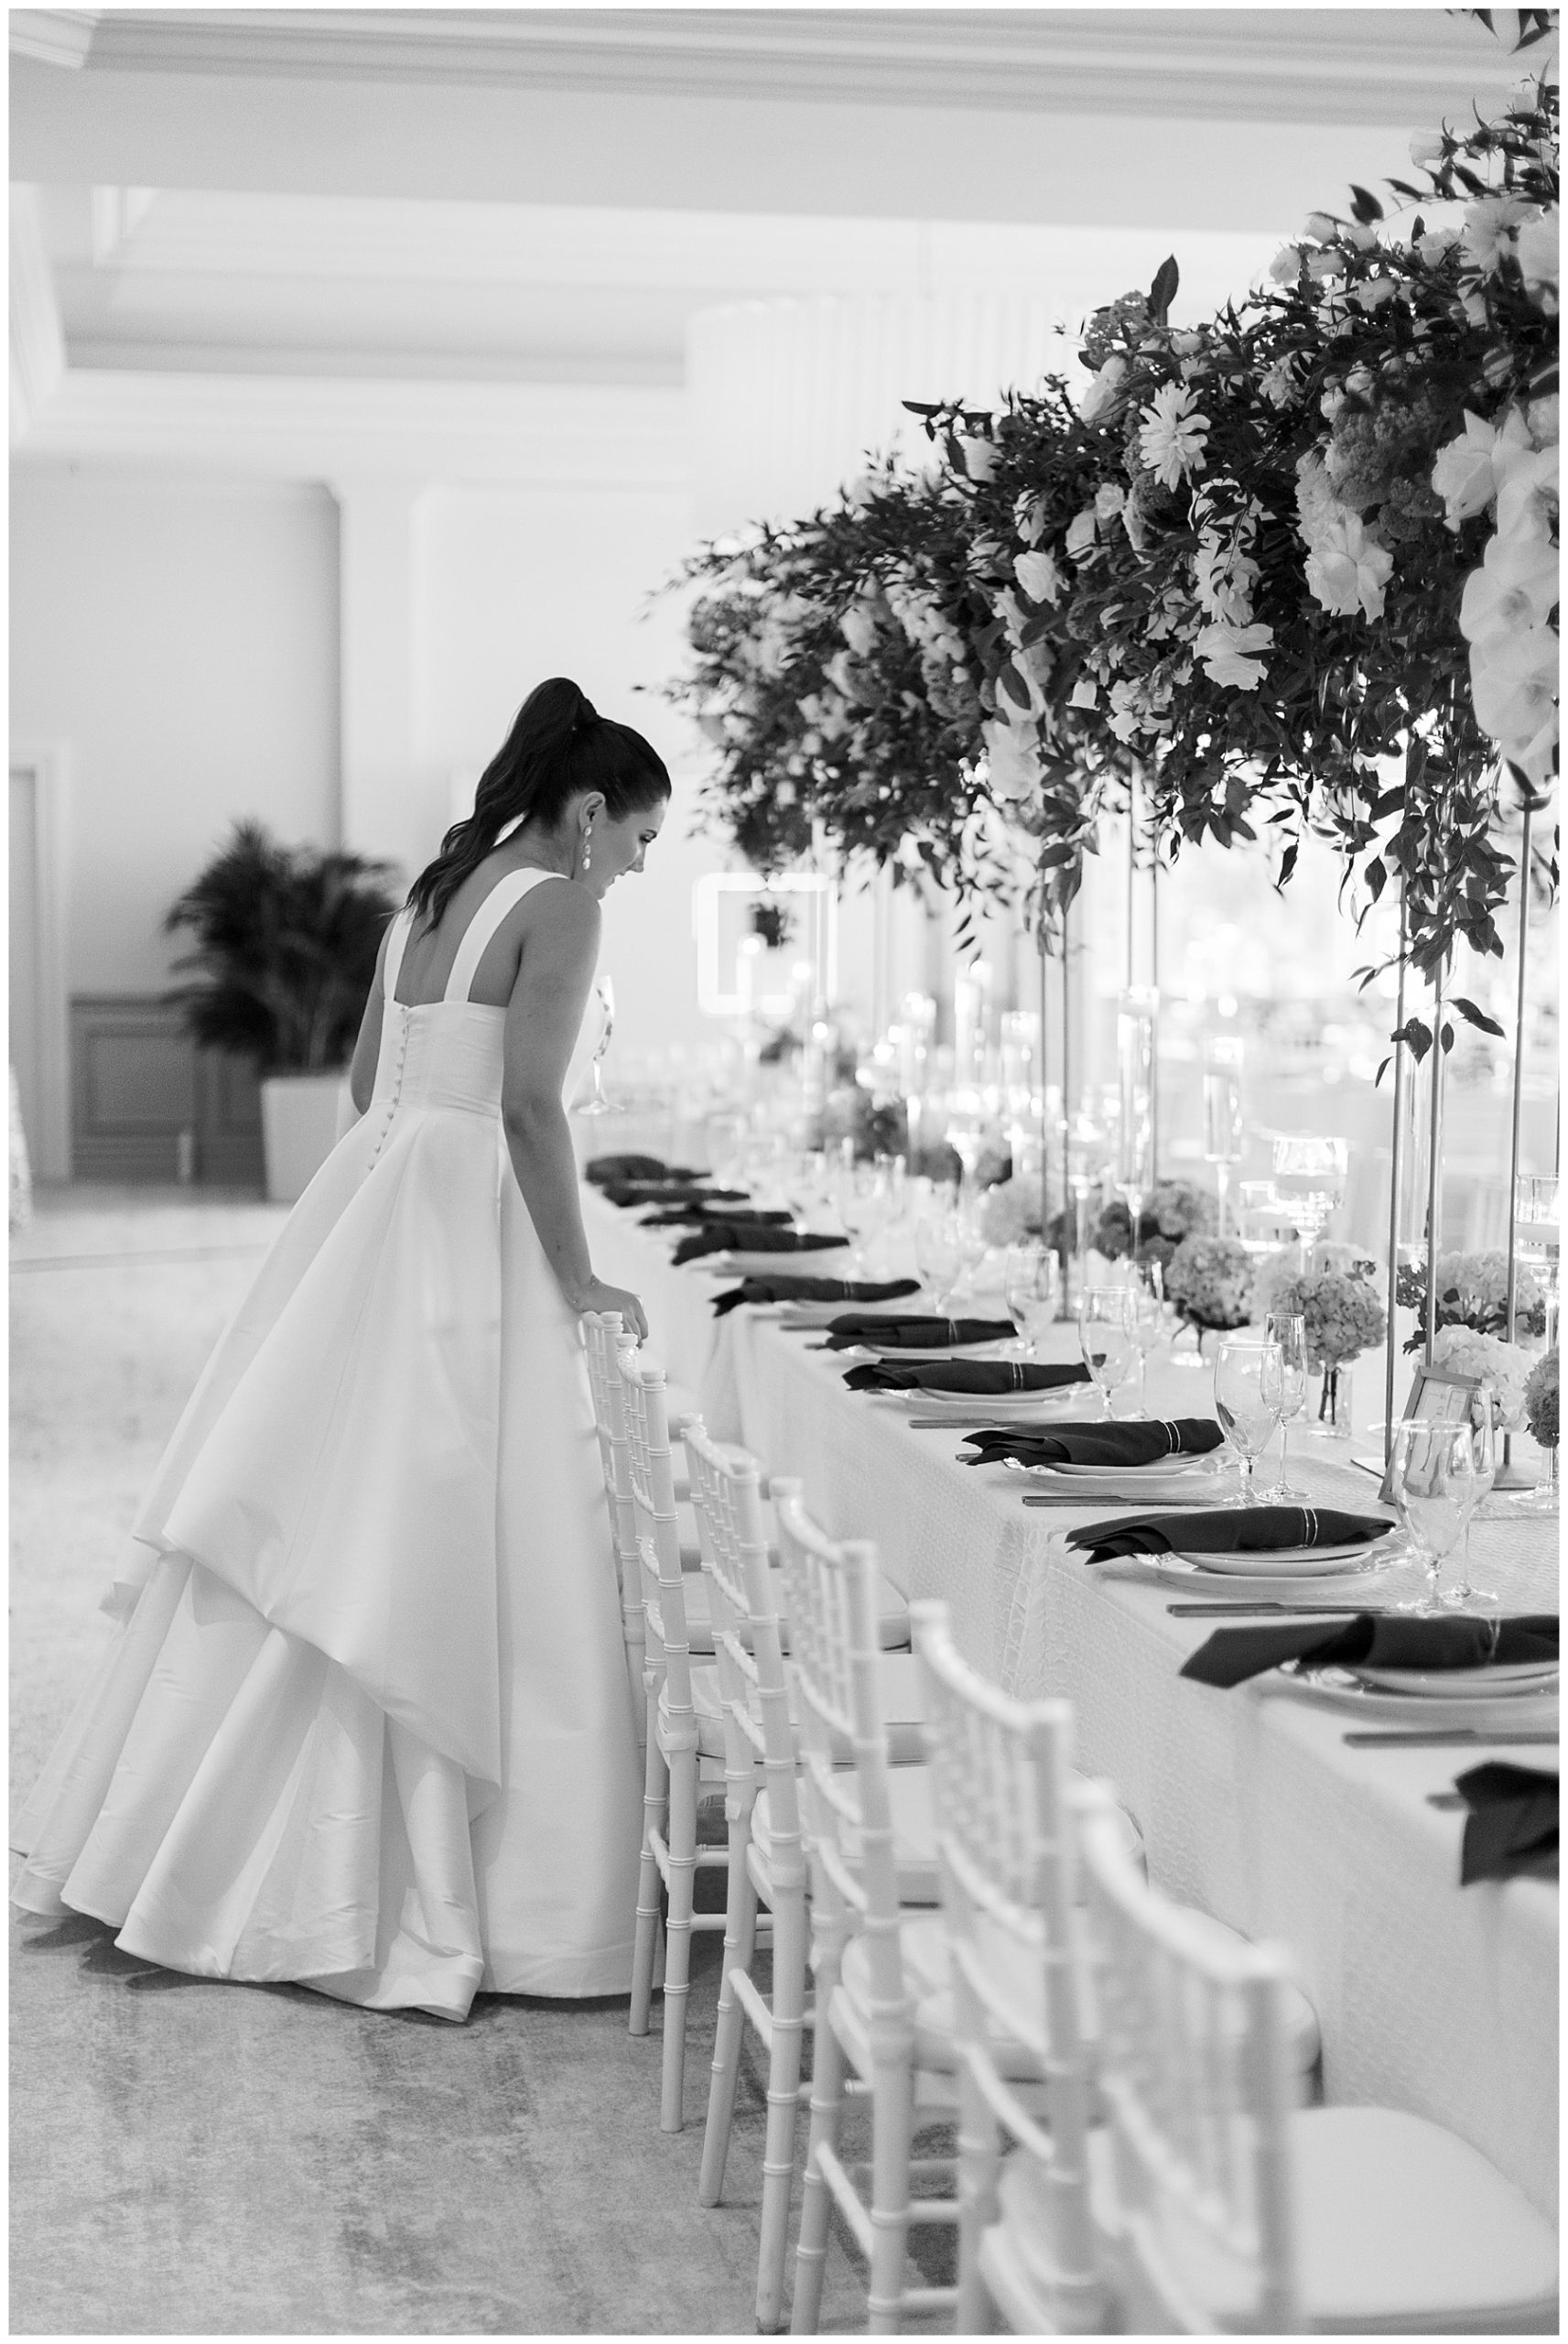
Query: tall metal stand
x=1069 y=1218
x=1435 y=1166
x=1395 y=1183
x=1045 y=1114
x=1514 y=1124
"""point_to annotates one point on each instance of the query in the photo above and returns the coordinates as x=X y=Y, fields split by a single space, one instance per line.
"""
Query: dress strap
x=504 y=897
x=397 y=936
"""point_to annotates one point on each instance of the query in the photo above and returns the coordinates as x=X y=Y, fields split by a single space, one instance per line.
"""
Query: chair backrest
x=1194 y=2075
x=602 y=1335
x=651 y=1476
x=1000 y=1777
x=726 y=1495
x=830 y=1591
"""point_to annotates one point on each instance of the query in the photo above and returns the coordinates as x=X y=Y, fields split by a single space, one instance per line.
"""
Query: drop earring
x=587 y=863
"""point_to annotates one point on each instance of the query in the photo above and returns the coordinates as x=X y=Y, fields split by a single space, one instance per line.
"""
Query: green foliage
x=285 y=948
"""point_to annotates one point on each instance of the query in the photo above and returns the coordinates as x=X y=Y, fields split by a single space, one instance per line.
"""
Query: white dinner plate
x=1281 y=1562
x=995 y=1348
x=1461 y=1683
x=1004 y=1405
x=762 y=1265
x=1527 y=1704
x=1343 y=1584
x=1161 y=1467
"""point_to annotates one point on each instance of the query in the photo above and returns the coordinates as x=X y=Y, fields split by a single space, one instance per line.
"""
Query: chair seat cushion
x=1400 y=2222
x=707 y=1705
x=923 y=1942
x=913 y=1833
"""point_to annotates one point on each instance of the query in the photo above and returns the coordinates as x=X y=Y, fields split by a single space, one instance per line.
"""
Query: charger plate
x=1283 y=1562
x=1342 y=1586
x=1462 y=1684
x=1344 y=1690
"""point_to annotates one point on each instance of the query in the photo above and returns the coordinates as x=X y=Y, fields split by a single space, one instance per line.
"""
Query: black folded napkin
x=602 y=1168
x=1229 y=1530
x=1375 y=1640
x=1511 y=1829
x=795 y=1287
x=913 y=1331
x=747 y=1237
x=984 y=1376
x=668 y=1193
x=1134 y=1443
x=753 y=1216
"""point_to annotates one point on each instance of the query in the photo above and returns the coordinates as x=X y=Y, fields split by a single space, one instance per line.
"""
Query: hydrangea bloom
x=1462 y=1351
x=1540 y=1406
x=1209 y=1279
x=1342 y=1313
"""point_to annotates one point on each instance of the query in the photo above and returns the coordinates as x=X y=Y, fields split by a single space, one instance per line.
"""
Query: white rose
x=1358 y=238
x=1085 y=693
x=1544 y=418
x=1227 y=653
x=1537 y=249
x=1286 y=265
x=979 y=456
x=1428 y=146
x=1461 y=476
x=1103 y=390
x=1029 y=517
x=1038 y=575
x=1012 y=759
x=1348 y=568
x=1321 y=226
x=1081 y=533
x=858 y=630
x=1373 y=293
x=1324 y=265
x=1108 y=501
x=1436 y=243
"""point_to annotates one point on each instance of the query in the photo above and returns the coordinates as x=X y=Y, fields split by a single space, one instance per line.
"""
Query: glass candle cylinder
x=1136 y=1072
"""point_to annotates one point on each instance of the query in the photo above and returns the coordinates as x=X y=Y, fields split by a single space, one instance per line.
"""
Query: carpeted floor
x=188 y=2157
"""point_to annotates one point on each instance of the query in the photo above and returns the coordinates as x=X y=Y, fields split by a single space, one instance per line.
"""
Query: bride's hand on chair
x=597 y=1295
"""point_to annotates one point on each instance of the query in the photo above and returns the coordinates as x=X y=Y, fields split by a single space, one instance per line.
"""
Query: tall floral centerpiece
x=1210 y=1281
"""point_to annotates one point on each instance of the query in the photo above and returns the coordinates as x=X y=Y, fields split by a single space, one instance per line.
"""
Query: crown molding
x=1346 y=65
x=318 y=429
x=53 y=35
x=38 y=342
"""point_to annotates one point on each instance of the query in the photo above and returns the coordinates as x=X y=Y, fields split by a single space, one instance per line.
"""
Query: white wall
x=181 y=638
x=514 y=584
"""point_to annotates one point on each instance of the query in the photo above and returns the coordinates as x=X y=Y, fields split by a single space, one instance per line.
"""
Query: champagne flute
x=938 y=1256
x=1247 y=1379
x=1146 y=1308
x=1032 y=1283
x=1105 y=1338
x=597 y=1103
x=1288 y=1330
x=1478 y=1415
x=1431 y=1476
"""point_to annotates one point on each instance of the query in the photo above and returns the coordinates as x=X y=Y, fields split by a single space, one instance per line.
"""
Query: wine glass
x=938 y=1256
x=1478 y=1414
x=597 y=1103
x=1146 y=1310
x=1246 y=1384
x=1289 y=1330
x=1032 y=1283
x=1105 y=1338
x=1432 y=1478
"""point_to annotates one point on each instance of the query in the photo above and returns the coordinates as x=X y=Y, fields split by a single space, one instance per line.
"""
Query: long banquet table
x=1432 y=1997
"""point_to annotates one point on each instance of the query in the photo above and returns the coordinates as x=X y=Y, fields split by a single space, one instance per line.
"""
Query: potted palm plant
x=284 y=948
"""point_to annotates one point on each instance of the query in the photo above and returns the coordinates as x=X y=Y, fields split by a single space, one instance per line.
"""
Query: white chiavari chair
x=1001 y=1773
x=1230 y=2210
x=870 y=1960
x=684 y=1726
x=602 y=1335
x=766 y=1870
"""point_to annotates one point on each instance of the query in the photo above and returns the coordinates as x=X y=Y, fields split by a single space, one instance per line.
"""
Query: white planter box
x=302 y=1116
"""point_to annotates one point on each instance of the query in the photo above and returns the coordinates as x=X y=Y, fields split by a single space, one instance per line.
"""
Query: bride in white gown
x=367 y=1723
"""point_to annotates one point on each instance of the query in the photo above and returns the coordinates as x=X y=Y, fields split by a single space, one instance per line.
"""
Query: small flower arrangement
x=1540 y=1400
x=1473 y=1291
x=1173 y=1210
x=1209 y=1279
x=1010 y=1212
x=1463 y=1351
x=1340 y=1308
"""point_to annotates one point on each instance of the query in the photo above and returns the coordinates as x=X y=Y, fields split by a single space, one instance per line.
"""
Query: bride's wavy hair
x=558 y=745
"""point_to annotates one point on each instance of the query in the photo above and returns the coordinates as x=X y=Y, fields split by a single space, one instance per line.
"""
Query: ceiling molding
x=314 y=427
x=38 y=342
x=1336 y=65
x=53 y=35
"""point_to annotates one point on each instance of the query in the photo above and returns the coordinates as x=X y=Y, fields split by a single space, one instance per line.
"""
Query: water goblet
x=1432 y=1478
x=1288 y=1330
x=1105 y=1338
x=1310 y=1172
x=1247 y=1381
x=1032 y=1285
x=1478 y=1414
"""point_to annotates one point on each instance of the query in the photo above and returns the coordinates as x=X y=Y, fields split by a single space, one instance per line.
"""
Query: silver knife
x=1276 y=1611
x=1459 y=1737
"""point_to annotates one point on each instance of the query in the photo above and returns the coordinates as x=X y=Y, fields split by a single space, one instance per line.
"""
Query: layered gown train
x=366 y=1722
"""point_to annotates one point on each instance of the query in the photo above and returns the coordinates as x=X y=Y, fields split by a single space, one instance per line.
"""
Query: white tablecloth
x=1432 y=1997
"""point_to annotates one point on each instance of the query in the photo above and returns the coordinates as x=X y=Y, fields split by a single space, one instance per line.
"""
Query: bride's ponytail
x=558 y=745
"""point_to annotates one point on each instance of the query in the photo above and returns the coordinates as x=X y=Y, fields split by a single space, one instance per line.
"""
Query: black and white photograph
x=785 y=1098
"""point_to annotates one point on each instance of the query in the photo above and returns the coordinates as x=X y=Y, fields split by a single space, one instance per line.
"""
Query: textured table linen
x=1432 y=1997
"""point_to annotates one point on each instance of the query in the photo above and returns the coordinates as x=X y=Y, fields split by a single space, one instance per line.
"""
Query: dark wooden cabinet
x=146 y=1104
